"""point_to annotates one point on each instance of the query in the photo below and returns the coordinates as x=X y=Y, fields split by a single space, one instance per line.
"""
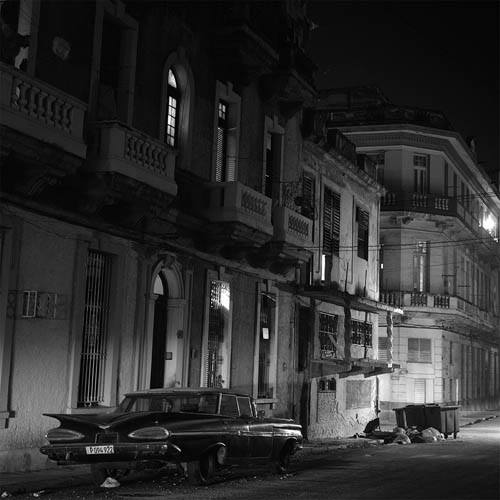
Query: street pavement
x=35 y=482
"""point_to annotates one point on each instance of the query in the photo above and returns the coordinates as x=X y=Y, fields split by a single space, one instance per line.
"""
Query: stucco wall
x=41 y=362
x=330 y=417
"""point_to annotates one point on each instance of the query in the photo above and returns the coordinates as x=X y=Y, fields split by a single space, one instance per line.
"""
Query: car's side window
x=245 y=406
x=229 y=406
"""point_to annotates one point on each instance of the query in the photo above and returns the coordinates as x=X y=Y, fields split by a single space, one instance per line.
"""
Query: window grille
x=362 y=219
x=172 y=109
x=328 y=335
x=331 y=222
x=267 y=317
x=30 y=298
x=95 y=329
x=219 y=302
x=362 y=333
x=419 y=350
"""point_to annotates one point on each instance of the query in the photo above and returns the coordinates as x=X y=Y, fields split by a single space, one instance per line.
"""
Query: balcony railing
x=433 y=302
x=118 y=148
x=439 y=205
x=234 y=202
x=292 y=228
x=41 y=111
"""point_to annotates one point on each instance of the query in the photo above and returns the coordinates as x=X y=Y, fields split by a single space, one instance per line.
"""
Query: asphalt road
x=465 y=468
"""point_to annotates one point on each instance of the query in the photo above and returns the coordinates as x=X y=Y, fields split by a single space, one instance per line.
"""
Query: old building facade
x=440 y=250
x=166 y=221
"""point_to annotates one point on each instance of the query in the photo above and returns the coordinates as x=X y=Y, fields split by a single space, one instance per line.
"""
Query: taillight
x=150 y=433
x=61 y=434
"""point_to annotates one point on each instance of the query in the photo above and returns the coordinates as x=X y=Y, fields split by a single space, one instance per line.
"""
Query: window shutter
x=336 y=224
x=327 y=220
x=308 y=201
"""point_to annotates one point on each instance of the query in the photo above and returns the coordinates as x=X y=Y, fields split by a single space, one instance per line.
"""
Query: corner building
x=440 y=253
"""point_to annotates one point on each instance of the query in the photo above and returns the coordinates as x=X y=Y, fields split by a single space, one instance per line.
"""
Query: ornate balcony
x=238 y=216
x=120 y=149
x=292 y=228
x=41 y=132
x=444 y=206
x=440 y=307
x=41 y=111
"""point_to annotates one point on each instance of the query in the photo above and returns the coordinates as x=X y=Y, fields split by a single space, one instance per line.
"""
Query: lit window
x=172 y=110
x=217 y=351
x=221 y=146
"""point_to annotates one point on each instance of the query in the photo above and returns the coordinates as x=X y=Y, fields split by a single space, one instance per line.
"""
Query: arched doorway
x=164 y=348
x=158 y=353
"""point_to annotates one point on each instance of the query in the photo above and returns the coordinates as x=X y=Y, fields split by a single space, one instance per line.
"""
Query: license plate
x=99 y=450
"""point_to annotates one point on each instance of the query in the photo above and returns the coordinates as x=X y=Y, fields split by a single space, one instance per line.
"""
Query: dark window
x=308 y=196
x=362 y=221
x=95 y=330
x=269 y=171
x=419 y=350
x=328 y=335
x=362 y=333
x=303 y=350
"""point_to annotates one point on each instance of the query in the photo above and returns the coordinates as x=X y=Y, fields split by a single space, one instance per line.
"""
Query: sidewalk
x=70 y=476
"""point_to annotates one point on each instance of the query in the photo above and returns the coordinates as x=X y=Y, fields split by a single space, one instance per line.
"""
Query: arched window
x=173 y=106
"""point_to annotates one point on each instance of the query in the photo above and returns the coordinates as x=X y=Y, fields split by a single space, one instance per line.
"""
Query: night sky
x=435 y=55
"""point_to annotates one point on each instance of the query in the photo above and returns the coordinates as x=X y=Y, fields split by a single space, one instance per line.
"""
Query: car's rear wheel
x=100 y=473
x=282 y=462
x=200 y=471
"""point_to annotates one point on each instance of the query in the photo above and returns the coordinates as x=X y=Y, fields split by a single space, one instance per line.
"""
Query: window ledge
x=261 y=401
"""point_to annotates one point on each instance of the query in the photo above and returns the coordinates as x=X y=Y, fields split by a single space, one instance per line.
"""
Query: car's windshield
x=199 y=403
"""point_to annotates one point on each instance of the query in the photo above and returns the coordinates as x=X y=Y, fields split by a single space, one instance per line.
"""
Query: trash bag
x=430 y=432
x=372 y=425
x=110 y=482
x=401 y=439
x=398 y=430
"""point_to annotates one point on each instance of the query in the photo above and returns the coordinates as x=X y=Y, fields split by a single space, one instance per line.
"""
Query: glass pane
x=171 y=79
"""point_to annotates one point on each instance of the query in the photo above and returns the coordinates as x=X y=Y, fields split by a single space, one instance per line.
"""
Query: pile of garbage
x=399 y=435
x=414 y=435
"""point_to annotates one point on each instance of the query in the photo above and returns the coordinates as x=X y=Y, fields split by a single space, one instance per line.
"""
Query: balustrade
x=122 y=149
x=42 y=111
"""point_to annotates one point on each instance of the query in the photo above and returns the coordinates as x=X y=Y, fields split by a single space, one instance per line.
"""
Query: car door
x=260 y=431
x=236 y=428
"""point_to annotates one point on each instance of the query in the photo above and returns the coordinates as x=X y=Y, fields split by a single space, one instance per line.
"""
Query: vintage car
x=203 y=429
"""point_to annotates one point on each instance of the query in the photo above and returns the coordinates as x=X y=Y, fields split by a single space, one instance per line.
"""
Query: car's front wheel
x=100 y=473
x=200 y=471
x=282 y=462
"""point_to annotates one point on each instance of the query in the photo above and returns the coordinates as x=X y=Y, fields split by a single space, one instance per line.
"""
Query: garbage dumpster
x=445 y=419
x=415 y=416
x=410 y=416
x=400 y=417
